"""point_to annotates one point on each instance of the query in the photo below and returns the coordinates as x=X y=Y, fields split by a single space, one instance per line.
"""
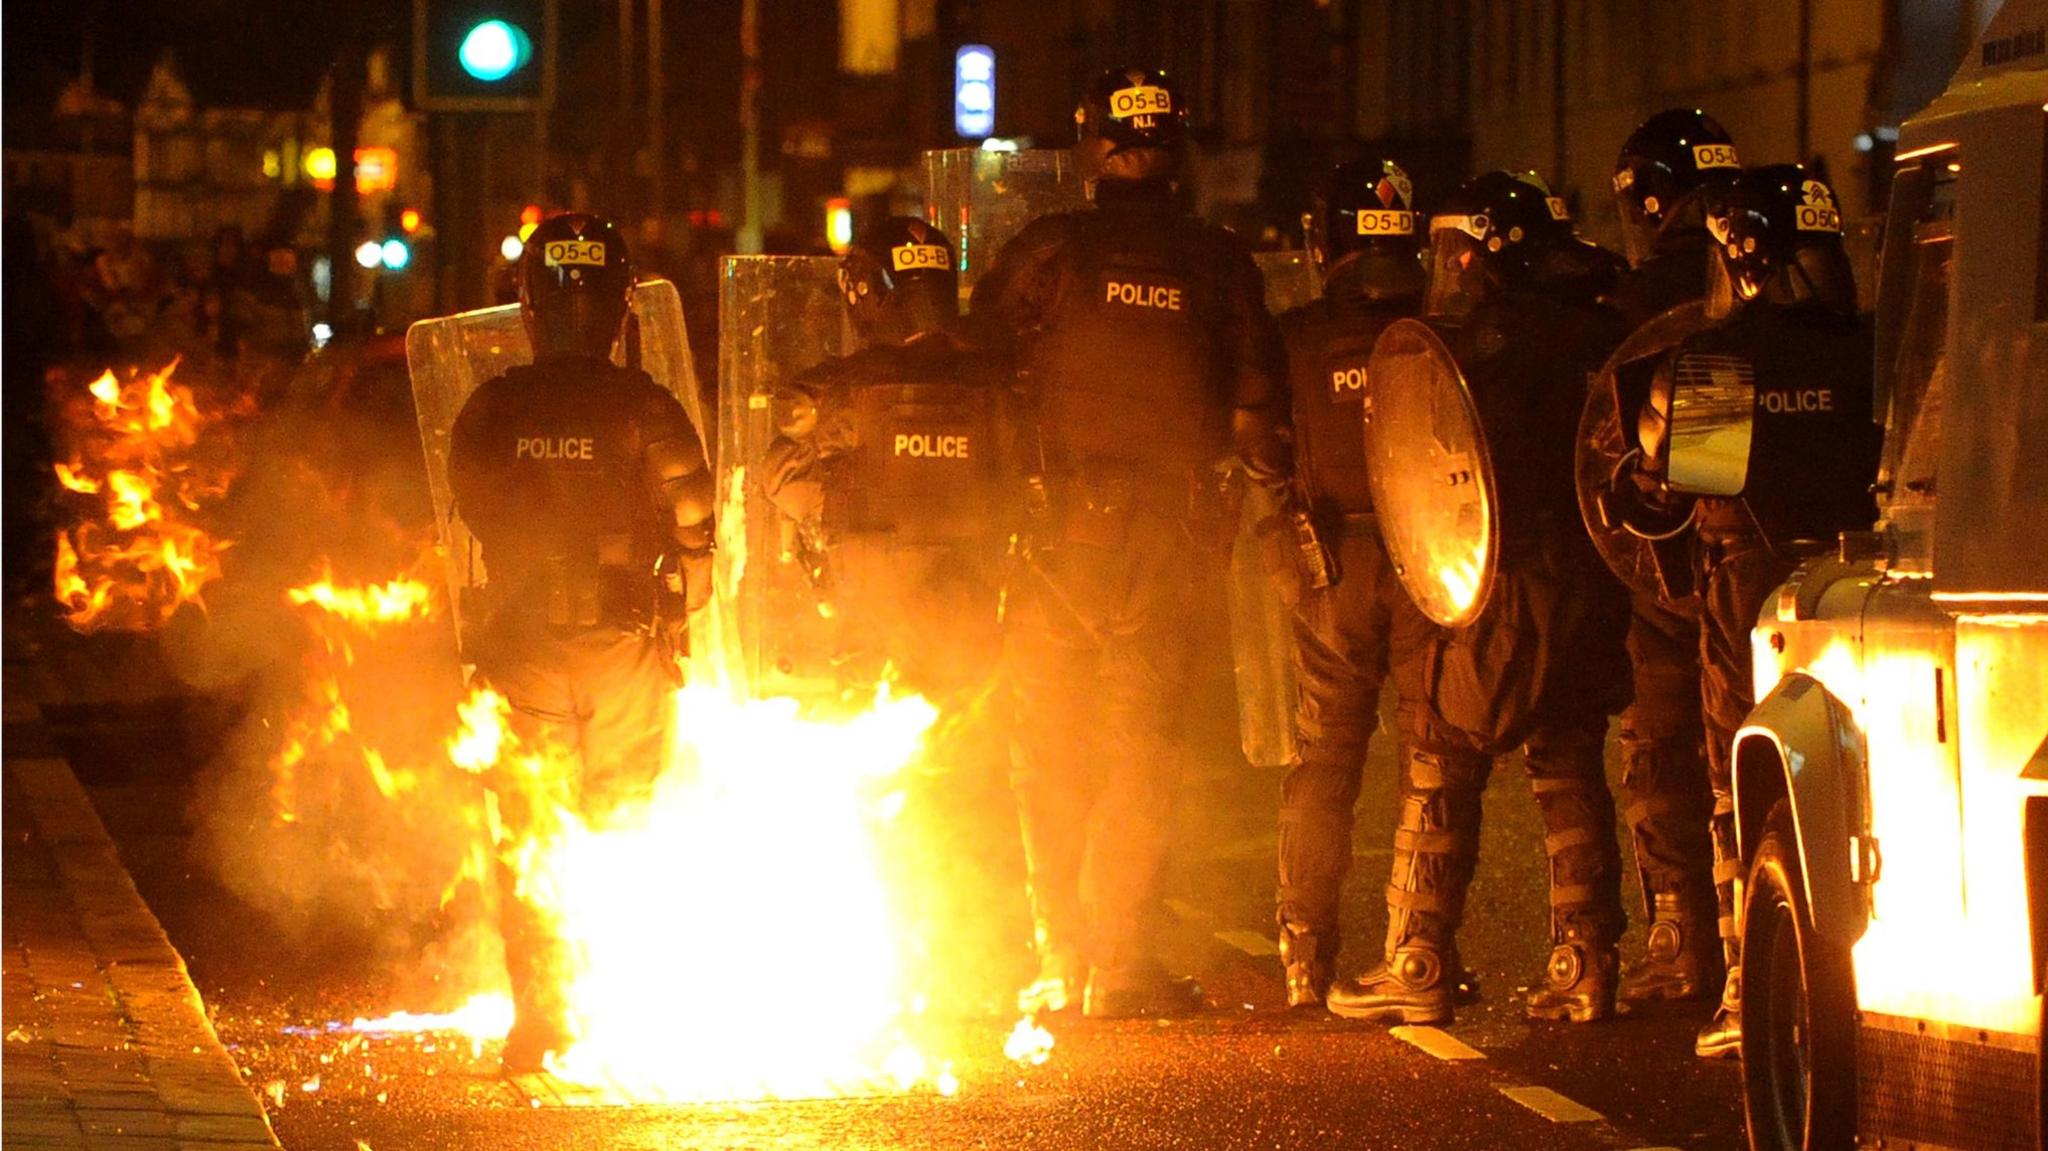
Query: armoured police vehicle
x=1891 y=784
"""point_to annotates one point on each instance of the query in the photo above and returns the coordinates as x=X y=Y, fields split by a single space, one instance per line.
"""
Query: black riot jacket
x=1676 y=273
x=1328 y=342
x=1143 y=340
x=575 y=476
x=1814 y=447
x=901 y=444
x=1526 y=358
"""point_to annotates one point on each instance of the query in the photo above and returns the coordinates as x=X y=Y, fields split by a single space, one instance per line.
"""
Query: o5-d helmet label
x=1714 y=156
x=1143 y=100
x=1817 y=210
x=573 y=253
x=919 y=258
x=1385 y=222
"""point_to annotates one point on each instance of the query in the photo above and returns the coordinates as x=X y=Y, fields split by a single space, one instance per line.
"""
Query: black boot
x=1567 y=778
x=1681 y=958
x=1307 y=957
x=1145 y=992
x=1061 y=975
x=1721 y=1036
x=1578 y=984
x=1410 y=987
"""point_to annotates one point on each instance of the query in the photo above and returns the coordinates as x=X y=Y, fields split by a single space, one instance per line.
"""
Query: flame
x=1029 y=1043
x=140 y=557
x=485 y=1015
x=693 y=919
x=322 y=723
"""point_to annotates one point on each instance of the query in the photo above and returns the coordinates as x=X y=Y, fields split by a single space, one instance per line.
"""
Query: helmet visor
x=1457 y=266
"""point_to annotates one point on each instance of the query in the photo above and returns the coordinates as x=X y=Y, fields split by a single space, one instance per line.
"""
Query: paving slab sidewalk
x=107 y=1045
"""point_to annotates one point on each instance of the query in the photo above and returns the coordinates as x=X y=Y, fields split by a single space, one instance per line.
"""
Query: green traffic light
x=494 y=50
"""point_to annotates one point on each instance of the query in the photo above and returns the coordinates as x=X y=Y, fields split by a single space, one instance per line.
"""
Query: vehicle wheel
x=1798 y=1008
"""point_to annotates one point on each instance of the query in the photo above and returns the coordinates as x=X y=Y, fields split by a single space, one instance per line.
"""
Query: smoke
x=332 y=808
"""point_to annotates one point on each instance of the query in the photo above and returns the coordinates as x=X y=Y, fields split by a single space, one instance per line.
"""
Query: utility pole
x=1803 y=129
x=1560 y=139
x=345 y=116
x=657 y=130
x=623 y=147
x=748 y=240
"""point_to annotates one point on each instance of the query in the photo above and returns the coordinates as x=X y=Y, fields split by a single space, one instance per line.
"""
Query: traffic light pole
x=748 y=241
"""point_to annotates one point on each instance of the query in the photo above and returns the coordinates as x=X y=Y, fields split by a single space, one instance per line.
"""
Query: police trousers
x=1664 y=766
x=1540 y=671
x=1097 y=646
x=1346 y=637
x=927 y=611
x=603 y=701
x=1739 y=573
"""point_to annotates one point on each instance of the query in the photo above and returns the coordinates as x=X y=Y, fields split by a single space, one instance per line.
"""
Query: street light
x=369 y=253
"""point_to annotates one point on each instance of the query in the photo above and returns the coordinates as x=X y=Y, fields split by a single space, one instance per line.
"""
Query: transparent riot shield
x=1261 y=628
x=982 y=199
x=777 y=315
x=449 y=356
x=1643 y=537
x=1431 y=474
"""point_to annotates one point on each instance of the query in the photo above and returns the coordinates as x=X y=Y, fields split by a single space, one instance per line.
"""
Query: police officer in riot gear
x=1147 y=355
x=1661 y=178
x=889 y=459
x=1351 y=616
x=586 y=487
x=1782 y=280
x=1543 y=665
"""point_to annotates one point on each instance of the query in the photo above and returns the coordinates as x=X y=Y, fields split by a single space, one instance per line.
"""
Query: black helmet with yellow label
x=1131 y=125
x=1363 y=214
x=1664 y=164
x=575 y=285
x=901 y=279
x=1495 y=232
x=1777 y=235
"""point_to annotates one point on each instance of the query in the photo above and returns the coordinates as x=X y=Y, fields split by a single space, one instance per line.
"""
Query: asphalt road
x=1246 y=1074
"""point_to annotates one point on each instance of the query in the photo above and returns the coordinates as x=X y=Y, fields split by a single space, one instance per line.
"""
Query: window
x=1914 y=304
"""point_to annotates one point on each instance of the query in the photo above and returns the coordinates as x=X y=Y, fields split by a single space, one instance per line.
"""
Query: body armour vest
x=548 y=465
x=1527 y=359
x=920 y=453
x=1128 y=367
x=1329 y=342
x=1813 y=447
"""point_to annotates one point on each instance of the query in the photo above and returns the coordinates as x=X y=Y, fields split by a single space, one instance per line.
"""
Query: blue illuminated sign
x=974 y=91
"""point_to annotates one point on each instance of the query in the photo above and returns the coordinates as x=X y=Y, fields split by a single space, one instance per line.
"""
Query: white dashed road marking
x=1250 y=942
x=1441 y=1044
x=1552 y=1106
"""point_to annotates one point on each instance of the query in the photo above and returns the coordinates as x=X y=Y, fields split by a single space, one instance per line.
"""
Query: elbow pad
x=682 y=483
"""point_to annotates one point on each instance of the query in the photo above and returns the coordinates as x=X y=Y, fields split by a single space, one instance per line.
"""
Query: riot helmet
x=901 y=281
x=1777 y=236
x=1662 y=168
x=1130 y=127
x=1362 y=217
x=1490 y=236
x=575 y=284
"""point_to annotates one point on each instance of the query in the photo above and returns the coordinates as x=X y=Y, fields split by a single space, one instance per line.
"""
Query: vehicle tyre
x=1798 y=1008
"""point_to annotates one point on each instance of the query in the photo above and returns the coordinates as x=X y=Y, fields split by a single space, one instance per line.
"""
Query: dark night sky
x=234 y=52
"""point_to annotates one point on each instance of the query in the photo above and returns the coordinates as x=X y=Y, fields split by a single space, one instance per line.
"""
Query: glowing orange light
x=409 y=221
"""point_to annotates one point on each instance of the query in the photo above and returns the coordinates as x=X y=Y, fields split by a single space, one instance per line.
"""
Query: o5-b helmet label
x=573 y=253
x=919 y=258
x=1714 y=156
x=1143 y=100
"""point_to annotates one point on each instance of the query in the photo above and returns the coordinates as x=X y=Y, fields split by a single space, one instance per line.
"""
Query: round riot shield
x=1431 y=474
x=1642 y=539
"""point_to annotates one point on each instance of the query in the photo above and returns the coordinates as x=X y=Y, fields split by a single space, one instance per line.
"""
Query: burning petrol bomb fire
x=139 y=553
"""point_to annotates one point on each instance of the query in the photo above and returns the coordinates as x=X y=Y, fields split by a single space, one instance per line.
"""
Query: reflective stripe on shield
x=1432 y=477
